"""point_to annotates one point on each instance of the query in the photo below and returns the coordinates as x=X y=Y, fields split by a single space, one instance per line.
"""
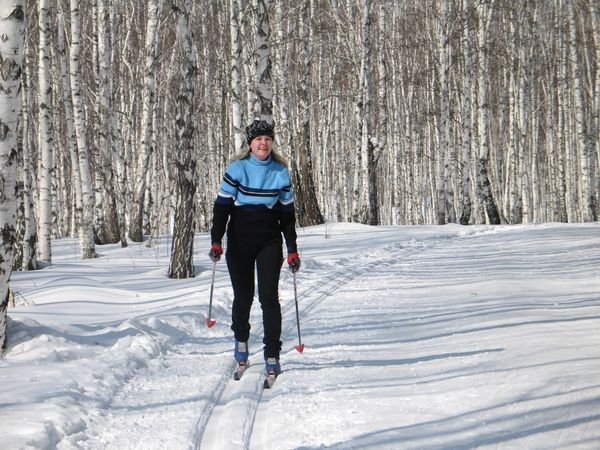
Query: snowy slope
x=416 y=337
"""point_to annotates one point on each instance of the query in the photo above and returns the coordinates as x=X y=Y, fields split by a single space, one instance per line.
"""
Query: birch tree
x=181 y=265
x=595 y=132
x=107 y=206
x=364 y=209
x=12 y=16
x=136 y=220
x=29 y=237
x=46 y=137
x=309 y=212
x=584 y=143
x=239 y=140
x=443 y=204
x=484 y=190
x=264 y=87
x=467 y=115
x=86 y=226
x=71 y=135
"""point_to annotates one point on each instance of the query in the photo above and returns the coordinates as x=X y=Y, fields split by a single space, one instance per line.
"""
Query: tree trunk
x=305 y=197
x=584 y=144
x=108 y=206
x=264 y=84
x=136 y=221
x=467 y=126
x=71 y=137
x=239 y=140
x=483 y=182
x=12 y=30
x=45 y=138
x=362 y=207
x=444 y=123
x=182 y=264
x=86 y=227
x=28 y=257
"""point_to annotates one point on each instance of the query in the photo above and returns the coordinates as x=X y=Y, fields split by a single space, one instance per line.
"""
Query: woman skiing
x=255 y=204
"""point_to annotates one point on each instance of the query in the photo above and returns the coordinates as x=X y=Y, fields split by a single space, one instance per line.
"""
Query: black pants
x=241 y=260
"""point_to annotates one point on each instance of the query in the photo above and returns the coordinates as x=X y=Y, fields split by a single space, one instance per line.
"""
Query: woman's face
x=261 y=147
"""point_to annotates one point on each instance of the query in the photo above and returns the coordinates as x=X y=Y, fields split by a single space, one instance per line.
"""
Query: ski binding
x=239 y=370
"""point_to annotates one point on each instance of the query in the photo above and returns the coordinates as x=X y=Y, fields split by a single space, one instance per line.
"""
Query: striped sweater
x=255 y=203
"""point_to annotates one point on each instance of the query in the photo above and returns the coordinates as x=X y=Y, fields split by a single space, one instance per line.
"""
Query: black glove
x=215 y=252
x=293 y=260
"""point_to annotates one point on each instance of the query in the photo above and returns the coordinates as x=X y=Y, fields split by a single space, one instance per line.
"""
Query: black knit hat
x=259 y=128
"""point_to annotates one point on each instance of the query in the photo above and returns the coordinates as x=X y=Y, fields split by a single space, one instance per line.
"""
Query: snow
x=415 y=337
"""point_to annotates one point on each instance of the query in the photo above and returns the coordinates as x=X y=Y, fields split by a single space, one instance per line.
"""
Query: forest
x=125 y=113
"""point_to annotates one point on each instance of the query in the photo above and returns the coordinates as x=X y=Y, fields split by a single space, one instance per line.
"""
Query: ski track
x=239 y=407
x=165 y=394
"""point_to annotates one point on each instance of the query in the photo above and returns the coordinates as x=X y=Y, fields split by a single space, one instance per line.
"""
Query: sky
x=415 y=337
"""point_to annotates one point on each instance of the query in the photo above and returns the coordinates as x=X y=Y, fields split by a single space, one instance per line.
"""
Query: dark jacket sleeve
x=287 y=220
x=221 y=212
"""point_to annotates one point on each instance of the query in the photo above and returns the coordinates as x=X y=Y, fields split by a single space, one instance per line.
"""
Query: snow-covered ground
x=423 y=337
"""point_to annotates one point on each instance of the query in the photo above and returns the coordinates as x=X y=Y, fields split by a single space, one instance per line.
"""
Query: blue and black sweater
x=257 y=200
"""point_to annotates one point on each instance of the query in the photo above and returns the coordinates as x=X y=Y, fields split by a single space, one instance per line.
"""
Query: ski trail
x=232 y=418
x=239 y=408
x=231 y=421
x=311 y=298
x=171 y=390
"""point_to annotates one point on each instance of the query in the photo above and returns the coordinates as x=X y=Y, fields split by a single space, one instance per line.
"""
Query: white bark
x=12 y=30
x=595 y=132
x=86 y=228
x=444 y=124
x=45 y=137
x=581 y=126
x=239 y=140
x=107 y=208
x=483 y=181
x=147 y=139
x=181 y=265
x=71 y=137
x=264 y=88
x=467 y=130
x=29 y=251
x=362 y=211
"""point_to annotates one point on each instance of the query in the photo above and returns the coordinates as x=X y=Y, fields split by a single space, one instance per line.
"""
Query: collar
x=253 y=160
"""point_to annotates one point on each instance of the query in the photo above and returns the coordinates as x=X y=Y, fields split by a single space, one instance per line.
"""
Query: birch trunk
x=444 y=125
x=467 y=130
x=71 y=137
x=595 y=133
x=483 y=182
x=86 y=227
x=264 y=85
x=362 y=208
x=30 y=237
x=305 y=196
x=281 y=85
x=239 y=141
x=108 y=207
x=45 y=136
x=182 y=265
x=12 y=29
x=136 y=222
x=583 y=143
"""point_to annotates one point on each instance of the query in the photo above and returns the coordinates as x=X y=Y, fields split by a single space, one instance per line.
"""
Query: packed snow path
x=416 y=337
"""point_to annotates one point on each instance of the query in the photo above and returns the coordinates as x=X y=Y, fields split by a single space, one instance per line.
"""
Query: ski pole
x=300 y=346
x=210 y=322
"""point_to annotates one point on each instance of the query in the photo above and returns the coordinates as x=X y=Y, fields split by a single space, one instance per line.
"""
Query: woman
x=256 y=205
